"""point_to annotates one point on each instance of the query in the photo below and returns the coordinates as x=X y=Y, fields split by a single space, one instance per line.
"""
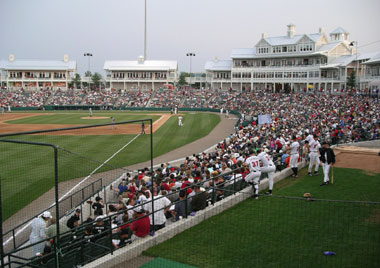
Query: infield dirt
x=106 y=130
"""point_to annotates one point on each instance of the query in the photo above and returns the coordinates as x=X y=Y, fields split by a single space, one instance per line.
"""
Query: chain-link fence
x=70 y=167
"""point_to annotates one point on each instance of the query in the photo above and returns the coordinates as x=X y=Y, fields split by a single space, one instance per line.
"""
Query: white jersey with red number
x=254 y=163
x=265 y=159
x=309 y=138
x=294 y=147
x=314 y=146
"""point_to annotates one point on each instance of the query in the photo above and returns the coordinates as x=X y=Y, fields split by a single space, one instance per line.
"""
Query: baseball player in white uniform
x=314 y=146
x=90 y=111
x=294 y=155
x=269 y=168
x=180 y=121
x=253 y=177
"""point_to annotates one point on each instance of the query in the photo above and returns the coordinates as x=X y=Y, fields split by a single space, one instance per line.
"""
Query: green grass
x=28 y=171
x=75 y=118
x=283 y=232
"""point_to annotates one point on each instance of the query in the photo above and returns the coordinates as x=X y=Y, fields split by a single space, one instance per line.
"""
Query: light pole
x=145 y=32
x=190 y=55
x=89 y=55
x=357 y=63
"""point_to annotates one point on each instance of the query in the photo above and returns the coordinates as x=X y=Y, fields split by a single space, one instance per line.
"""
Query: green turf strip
x=76 y=118
x=164 y=263
x=281 y=232
x=27 y=171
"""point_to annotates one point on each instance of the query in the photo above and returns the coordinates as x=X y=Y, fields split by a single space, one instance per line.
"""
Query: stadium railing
x=14 y=258
x=66 y=207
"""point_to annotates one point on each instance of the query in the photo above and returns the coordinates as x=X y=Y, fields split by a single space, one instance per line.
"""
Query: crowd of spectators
x=178 y=191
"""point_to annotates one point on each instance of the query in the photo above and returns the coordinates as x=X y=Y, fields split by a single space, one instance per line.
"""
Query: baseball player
x=142 y=128
x=314 y=146
x=112 y=122
x=327 y=159
x=90 y=111
x=253 y=177
x=268 y=167
x=180 y=121
x=294 y=155
x=2 y=110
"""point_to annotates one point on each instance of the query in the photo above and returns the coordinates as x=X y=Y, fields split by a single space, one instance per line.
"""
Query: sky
x=114 y=29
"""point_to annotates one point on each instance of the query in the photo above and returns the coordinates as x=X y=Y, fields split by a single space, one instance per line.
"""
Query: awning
x=374 y=83
x=331 y=66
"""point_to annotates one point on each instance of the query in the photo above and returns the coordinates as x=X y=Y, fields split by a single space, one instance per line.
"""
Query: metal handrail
x=70 y=196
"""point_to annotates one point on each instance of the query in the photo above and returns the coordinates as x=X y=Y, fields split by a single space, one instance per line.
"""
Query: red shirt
x=166 y=186
x=141 y=226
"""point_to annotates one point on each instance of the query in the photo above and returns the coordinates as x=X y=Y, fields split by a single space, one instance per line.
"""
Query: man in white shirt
x=294 y=155
x=253 y=177
x=180 y=121
x=161 y=205
x=39 y=227
x=314 y=146
x=269 y=168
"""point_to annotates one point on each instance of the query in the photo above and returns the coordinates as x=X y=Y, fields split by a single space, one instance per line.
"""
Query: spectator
x=38 y=233
x=141 y=226
x=73 y=221
x=98 y=206
x=199 y=200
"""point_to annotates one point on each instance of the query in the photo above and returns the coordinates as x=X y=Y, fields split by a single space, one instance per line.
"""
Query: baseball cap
x=46 y=214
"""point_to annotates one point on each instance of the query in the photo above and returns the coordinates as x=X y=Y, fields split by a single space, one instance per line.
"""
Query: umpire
x=327 y=158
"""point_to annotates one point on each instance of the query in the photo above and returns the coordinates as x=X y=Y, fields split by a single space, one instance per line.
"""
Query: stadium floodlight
x=190 y=54
x=89 y=55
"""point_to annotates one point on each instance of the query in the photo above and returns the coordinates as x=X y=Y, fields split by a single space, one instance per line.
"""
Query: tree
x=87 y=74
x=351 y=80
x=182 y=78
x=96 y=77
x=76 y=80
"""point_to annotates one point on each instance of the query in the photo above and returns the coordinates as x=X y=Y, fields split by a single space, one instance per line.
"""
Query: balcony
x=278 y=68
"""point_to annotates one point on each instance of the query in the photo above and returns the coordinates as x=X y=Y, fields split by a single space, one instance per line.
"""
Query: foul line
x=76 y=186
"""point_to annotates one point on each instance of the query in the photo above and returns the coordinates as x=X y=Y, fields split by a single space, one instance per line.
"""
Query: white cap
x=46 y=214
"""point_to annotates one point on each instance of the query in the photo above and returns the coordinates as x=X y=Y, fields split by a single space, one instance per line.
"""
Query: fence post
x=1 y=230
x=234 y=188
x=186 y=208
x=14 y=238
x=57 y=248
x=213 y=197
x=151 y=168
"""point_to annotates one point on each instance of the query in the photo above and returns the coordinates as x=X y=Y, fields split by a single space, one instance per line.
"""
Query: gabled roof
x=134 y=65
x=285 y=40
x=220 y=65
x=339 y=30
x=374 y=59
x=38 y=65
x=243 y=53
x=345 y=60
x=329 y=46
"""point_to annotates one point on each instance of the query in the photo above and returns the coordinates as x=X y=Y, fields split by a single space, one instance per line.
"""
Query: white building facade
x=36 y=74
x=292 y=63
x=140 y=75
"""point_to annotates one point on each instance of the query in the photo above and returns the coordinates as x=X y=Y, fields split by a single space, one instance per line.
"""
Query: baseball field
x=261 y=233
x=28 y=171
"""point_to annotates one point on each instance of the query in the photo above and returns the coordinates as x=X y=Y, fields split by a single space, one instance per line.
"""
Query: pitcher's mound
x=95 y=117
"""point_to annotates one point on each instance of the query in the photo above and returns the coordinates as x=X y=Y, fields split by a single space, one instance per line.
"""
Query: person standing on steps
x=327 y=159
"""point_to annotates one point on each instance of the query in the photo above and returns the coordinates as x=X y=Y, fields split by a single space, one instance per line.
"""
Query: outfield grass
x=282 y=232
x=76 y=118
x=28 y=171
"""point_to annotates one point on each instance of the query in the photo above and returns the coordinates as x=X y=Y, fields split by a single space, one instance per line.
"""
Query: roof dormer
x=339 y=34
